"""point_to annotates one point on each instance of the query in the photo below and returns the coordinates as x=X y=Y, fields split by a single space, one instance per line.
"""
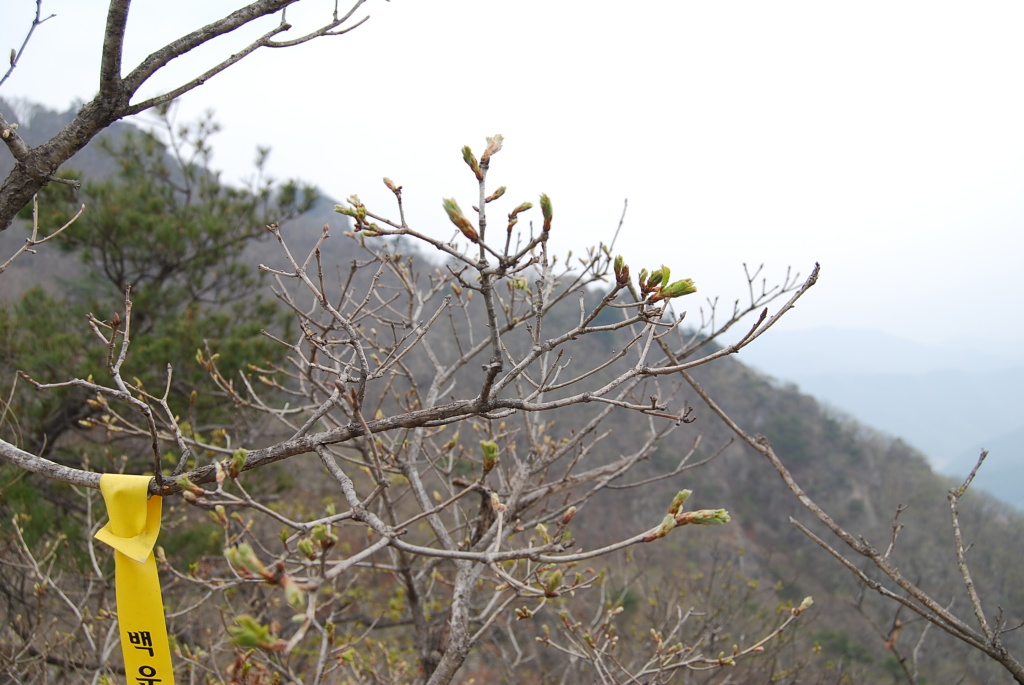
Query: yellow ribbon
x=132 y=531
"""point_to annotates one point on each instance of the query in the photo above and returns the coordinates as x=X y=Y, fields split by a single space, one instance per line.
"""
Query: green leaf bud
x=553 y=582
x=323 y=536
x=451 y=207
x=490 y=450
x=513 y=217
x=237 y=462
x=307 y=548
x=249 y=633
x=523 y=612
x=621 y=271
x=545 y=208
x=242 y=556
x=293 y=593
x=705 y=517
x=567 y=516
x=804 y=606
x=493 y=146
x=470 y=159
x=188 y=486
x=677 y=289
x=678 y=501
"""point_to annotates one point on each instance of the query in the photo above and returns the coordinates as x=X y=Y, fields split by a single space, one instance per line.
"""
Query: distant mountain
x=945 y=399
x=828 y=350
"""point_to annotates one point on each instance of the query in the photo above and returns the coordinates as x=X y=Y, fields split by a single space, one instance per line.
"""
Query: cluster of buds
x=358 y=212
x=244 y=560
x=248 y=565
x=513 y=216
x=250 y=633
x=657 y=285
x=478 y=168
x=677 y=517
x=321 y=537
x=192 y=493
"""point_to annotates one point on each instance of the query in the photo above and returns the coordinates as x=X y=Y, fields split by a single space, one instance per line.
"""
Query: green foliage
x=167 y=227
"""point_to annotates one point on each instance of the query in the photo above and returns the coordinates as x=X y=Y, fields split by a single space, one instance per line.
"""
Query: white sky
x=883 y=139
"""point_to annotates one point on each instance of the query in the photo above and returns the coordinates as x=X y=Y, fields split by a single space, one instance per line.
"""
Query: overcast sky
x=883 y=139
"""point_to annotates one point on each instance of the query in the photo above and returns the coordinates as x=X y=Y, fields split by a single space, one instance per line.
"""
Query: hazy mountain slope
x=1002 y=475
x=947 y=400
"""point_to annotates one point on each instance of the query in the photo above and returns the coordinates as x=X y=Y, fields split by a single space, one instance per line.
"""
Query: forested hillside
x=714 y=590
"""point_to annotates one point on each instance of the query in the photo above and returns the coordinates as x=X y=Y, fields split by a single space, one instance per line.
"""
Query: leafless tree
x=35 y=166
x=458 y=410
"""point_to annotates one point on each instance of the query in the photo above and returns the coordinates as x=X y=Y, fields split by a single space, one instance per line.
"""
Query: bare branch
x=16 y=55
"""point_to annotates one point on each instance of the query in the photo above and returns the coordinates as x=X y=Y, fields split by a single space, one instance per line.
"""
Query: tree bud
x=237 y=462
x=249 y=633
x=493 y=146
x=545 y=208
x=294 y=595
x=804 y=606
x=490 y=450
x=553 y=582
x=677 y=289
x=307 y=548
x=678 y=501
x=242 y=556
x=451 y=207
x=567 y=516
x=470 y=160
